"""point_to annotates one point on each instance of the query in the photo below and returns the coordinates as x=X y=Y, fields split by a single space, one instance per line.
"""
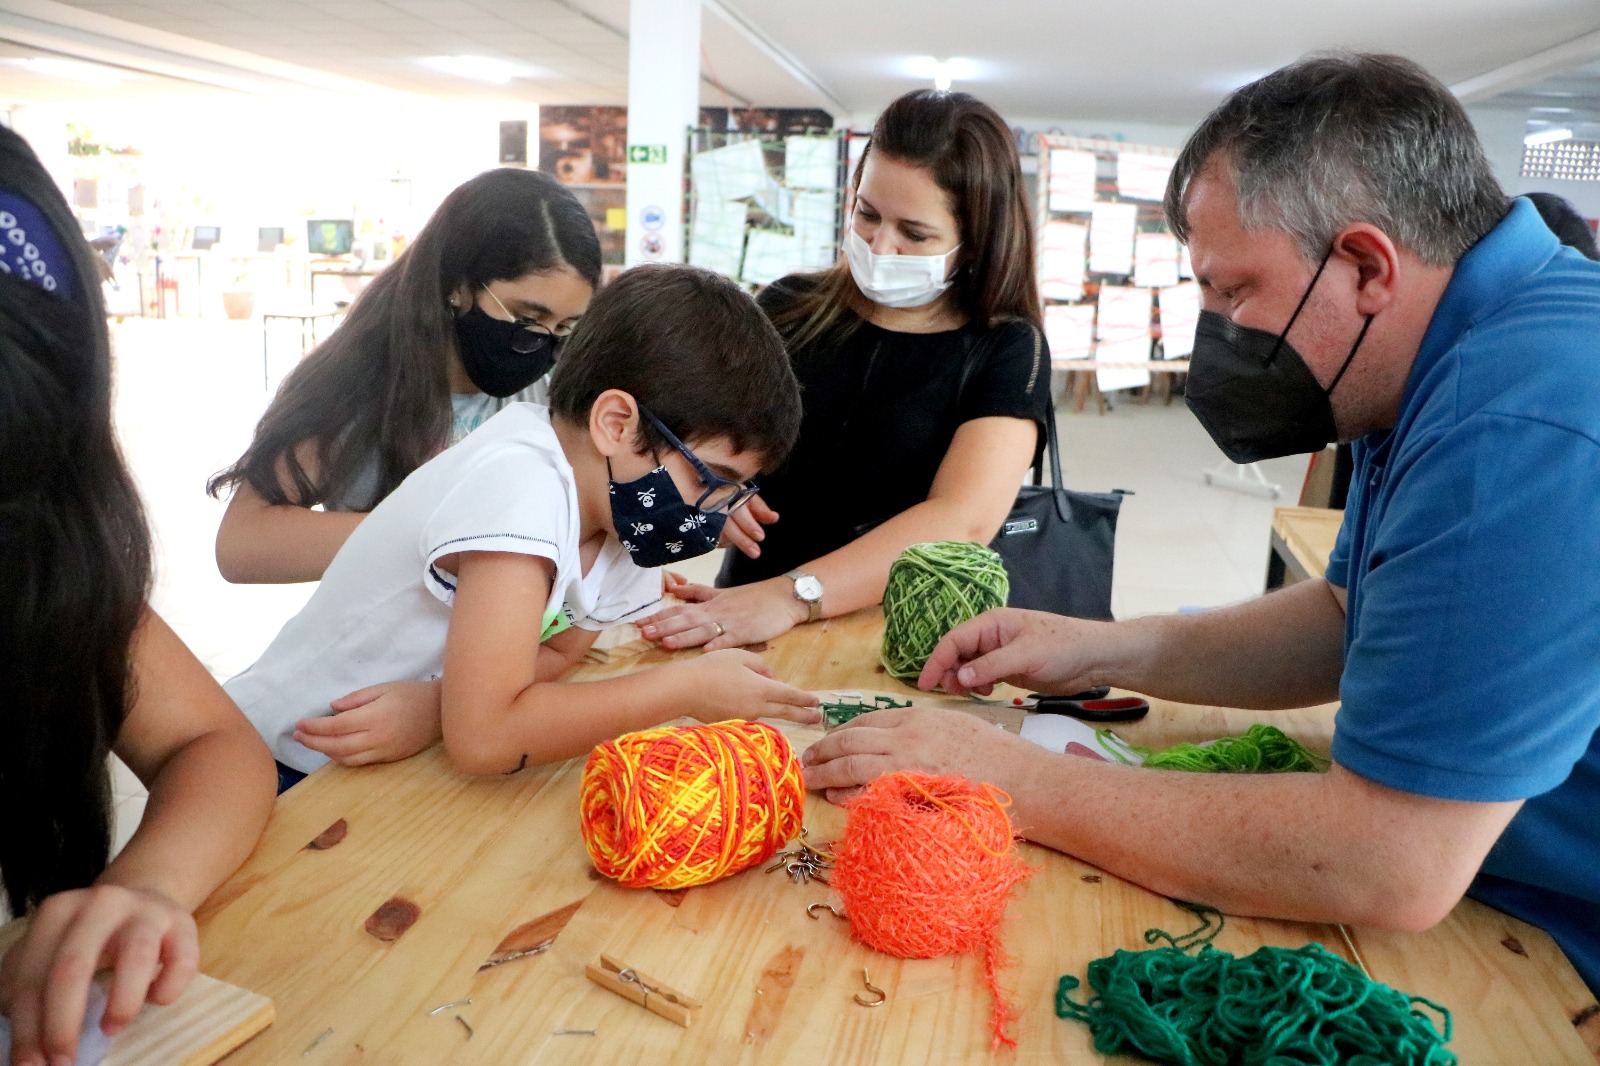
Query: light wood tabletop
x=1303 y=538
x=497 y=865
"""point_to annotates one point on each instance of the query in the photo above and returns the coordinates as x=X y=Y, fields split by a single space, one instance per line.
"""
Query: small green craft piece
x=839 y=713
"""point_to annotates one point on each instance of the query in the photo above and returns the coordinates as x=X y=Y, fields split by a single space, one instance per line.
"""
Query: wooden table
x=1302 y=540
x=483 y=857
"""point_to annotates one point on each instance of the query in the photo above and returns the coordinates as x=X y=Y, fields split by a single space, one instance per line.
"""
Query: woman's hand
x=743 y=528
x=739 y=684
x=148 y=942
x=726 y=618
x=381 y=723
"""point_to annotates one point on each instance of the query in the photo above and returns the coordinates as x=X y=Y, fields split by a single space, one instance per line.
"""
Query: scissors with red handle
x=1091 y=705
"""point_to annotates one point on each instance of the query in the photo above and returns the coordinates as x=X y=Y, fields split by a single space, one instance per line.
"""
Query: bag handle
x=1052 y=445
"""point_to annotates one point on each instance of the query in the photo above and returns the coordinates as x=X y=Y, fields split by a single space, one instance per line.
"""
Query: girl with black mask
x=466 y=320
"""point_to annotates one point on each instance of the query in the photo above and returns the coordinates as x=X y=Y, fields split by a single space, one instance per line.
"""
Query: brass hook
x=811 y=910
x=866 y=979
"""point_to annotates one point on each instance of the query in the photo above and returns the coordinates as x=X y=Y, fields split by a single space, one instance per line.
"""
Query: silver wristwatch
x=808 y=590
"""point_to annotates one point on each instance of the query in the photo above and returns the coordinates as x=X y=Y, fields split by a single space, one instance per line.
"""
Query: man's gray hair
x=1341 y=138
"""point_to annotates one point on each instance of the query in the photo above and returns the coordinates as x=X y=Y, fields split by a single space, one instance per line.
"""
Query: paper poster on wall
x=1069 y=330
x=730 y=173
x=1071 y=180
x=768 y=256
x=1111 y=238
x=1179 y=310
x=1143 y=177
x=716 y=235
x=811 y=162
x=816 y=228
x=1123 y=328
x=1155 y=260
x=1061 y=260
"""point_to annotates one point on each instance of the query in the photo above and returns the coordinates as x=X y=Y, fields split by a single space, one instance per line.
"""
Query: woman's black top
x=880 y=411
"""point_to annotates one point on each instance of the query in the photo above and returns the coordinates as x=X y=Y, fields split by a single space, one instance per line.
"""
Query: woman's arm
x=265 y=543
x=972 y=493
x=212 y=783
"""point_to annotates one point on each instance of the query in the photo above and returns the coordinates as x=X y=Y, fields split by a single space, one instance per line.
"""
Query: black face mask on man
x=502 y=357
x=1254 y=393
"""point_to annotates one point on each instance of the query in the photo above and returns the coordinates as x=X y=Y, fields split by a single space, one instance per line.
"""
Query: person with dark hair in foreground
x=1364 y=279
x=86 y=669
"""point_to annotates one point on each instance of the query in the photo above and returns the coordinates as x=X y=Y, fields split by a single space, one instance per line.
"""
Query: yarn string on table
x=1302 y=1005
x=925 y=868
x=933 y=588
x=1262 y=749
x=686 y=805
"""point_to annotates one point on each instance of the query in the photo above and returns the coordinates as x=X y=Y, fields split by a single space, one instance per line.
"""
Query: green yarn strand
x=1275 y=1005
x=932 y=589
x=1263 y=749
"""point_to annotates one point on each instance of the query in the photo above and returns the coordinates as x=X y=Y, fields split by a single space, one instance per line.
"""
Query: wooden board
x=210 y=1019
x=1308 y=534
x=495 y=863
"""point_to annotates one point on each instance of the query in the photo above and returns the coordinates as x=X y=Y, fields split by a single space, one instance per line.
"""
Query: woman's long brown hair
x=972 y=155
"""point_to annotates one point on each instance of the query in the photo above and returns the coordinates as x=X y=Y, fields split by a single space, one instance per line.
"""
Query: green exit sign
x=647 y=153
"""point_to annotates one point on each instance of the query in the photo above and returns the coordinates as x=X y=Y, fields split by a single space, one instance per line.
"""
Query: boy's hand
x=743 y=528
x=739 y=684
x=147 y=941
x=381 y=723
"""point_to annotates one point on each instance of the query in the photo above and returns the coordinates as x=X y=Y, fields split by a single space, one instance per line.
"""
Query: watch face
x=808 y=588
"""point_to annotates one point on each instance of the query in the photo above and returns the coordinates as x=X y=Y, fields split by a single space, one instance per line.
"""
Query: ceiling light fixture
x=1550 y=136
x=479 y=68
x=942 y=72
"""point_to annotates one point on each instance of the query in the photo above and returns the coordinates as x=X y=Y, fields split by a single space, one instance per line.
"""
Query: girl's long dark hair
x=972 y=155
x=379 y=385
x=76 y=570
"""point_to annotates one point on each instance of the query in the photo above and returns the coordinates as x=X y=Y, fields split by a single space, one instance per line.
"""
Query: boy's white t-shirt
x=382 y=610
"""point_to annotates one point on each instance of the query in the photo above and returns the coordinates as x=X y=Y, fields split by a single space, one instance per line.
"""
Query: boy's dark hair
x=1565 y=222
x=692 y=348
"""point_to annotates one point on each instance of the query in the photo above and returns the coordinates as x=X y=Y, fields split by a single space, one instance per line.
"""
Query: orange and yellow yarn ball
x=687 y=805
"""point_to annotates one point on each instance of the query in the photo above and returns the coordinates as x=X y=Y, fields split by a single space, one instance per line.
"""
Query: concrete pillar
x=663 y=102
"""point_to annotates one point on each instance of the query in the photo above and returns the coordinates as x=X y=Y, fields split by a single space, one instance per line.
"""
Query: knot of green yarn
x=932 y=589
x=1302 y=1005
x=1263 y=749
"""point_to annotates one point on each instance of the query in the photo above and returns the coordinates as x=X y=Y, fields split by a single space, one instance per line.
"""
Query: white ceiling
x=1137 y=60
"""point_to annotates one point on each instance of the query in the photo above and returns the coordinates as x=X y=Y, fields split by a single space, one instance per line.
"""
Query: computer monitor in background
x=268 y=238
x=204 y=237
x=330 y=236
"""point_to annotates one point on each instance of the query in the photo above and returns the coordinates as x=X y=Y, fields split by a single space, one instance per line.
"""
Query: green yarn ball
x=932 y=589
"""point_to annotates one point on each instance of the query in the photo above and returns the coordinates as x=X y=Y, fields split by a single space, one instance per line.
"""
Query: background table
x=483 y=857
x=1302 y=540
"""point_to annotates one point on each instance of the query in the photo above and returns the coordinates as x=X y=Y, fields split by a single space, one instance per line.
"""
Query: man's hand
x=1030 y=649
x=933 y=740
x=380 y=723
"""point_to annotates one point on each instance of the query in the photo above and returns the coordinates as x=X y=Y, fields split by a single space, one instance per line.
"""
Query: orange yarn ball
x=926 y=869
x=687 y=805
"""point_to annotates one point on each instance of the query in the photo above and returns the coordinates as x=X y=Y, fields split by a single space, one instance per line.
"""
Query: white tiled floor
x=190 y=391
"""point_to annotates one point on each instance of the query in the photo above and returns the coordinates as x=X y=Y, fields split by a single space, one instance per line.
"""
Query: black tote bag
x=1057 y=543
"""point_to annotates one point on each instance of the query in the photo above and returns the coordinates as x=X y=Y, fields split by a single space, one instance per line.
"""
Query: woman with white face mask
x=925 y=377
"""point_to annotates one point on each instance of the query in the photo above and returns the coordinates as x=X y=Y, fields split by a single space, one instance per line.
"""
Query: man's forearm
x=1307 y=847
x=1284 y=649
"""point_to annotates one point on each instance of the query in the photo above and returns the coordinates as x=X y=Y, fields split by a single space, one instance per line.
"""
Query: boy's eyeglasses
x=721 y=494
x=531 y=336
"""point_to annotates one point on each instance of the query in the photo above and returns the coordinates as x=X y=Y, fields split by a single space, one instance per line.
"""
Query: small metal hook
x=811 y=910
x=866 y=979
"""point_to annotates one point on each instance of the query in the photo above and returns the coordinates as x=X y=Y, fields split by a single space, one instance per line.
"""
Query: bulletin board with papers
x=764 y=204
x=1119 y=296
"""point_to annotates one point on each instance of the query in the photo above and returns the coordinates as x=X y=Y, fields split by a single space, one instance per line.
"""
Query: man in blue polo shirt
x=1365 y=279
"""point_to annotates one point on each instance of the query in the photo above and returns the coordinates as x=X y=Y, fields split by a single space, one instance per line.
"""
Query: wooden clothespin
x=636 y=987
